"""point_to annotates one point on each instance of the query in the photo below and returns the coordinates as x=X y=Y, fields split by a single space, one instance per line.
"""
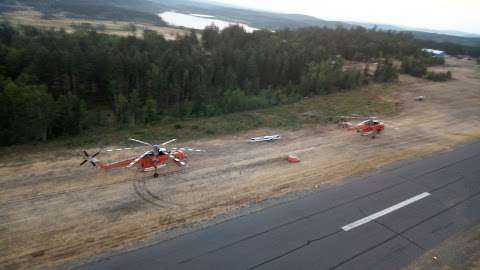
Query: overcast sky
x=461 y=15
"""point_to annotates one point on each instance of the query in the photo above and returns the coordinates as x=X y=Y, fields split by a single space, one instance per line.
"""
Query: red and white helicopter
x=152 y=160
x=370 y=127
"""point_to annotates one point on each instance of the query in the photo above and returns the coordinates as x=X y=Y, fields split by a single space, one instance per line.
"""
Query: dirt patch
x=59 y=212
x=461 y=251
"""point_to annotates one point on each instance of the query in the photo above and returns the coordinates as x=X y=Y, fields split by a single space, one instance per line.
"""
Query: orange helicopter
x=153 y=159
x=371 y=127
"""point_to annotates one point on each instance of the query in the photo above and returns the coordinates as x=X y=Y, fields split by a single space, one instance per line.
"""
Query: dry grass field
x=31 y=17
x=53 y=212
x=461 y=251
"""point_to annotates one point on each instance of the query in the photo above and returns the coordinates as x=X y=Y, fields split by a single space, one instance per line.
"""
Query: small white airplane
x=266 y=138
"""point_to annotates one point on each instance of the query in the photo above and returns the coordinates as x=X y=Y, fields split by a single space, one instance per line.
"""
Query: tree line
x=54 y=83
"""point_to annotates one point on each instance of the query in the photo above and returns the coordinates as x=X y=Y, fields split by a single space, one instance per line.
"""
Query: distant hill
x=458 y=37
x=415 y=29
x=147 y=11
x=254 y=18
x=124 y=10
x=467 y=41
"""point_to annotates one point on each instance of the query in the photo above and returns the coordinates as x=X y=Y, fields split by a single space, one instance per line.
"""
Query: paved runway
x=382 y=221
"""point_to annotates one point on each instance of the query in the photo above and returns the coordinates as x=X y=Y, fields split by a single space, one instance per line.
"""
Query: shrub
x=438 y=76
x=327 y=77
x=237 y=101
x=26 y=113
x=350 y=79
x=414 y=66
x=434 y=61
x=385 y=73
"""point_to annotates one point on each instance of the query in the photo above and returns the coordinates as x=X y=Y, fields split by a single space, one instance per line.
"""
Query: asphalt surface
x=392 y=216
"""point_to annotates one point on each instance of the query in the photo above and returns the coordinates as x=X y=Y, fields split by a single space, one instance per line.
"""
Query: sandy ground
x=52 y=211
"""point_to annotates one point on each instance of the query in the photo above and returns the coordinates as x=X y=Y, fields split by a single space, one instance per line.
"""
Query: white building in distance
x=435 y=53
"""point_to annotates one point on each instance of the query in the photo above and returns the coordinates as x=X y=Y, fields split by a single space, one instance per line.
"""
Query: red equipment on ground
x=293 y=159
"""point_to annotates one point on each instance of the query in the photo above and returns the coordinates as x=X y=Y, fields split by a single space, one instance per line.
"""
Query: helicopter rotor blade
x=96 y=154
x=85 y=161
x=122 y=149
x=142 y=142
x=178 y=161
x=138 y=159
x=168 y=142
x=86 y=153
x=188 y=149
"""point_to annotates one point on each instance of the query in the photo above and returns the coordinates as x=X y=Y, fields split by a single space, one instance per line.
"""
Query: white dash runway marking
x=384 y=212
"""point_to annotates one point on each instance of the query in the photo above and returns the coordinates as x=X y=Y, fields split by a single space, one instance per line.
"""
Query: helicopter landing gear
x=155 y=175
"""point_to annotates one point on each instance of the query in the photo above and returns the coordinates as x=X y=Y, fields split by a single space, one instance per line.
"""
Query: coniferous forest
x=54 y=83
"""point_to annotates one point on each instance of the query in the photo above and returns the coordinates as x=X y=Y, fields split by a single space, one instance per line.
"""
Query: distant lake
x=198 y=21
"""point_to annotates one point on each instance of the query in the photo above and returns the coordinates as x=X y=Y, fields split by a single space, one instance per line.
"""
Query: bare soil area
x=52 y=211
x=461 y=251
